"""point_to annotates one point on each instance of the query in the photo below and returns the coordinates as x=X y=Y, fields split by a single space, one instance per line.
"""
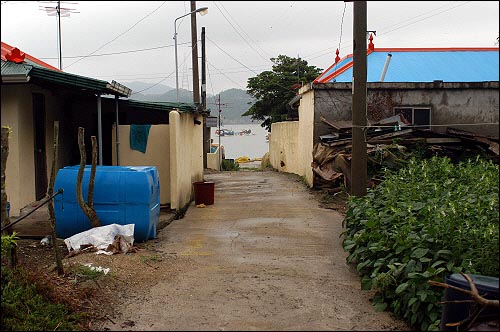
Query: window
x=419 y=116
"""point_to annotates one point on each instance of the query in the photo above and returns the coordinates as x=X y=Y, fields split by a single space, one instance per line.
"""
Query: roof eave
x=16 y=78
x=119 y=89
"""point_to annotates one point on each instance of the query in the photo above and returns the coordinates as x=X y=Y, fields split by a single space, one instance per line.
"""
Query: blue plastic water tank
x=122 y=195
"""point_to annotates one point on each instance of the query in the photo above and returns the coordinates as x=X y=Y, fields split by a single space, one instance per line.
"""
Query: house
x=433 y=88
x=35 y=94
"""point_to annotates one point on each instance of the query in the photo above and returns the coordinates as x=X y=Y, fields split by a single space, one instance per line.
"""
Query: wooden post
x=90 y=196
x=5 y=153
x=5 y=216
x=89 y=212
x=359 y=157
x=50 y=192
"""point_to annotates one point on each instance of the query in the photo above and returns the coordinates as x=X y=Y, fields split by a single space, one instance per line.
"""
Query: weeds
x=25 y=308
x=427 y=220
x=230 y=165
x=151 y=258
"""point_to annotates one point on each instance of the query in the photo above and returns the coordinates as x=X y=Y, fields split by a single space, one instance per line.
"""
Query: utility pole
x=194 y=54
x=196 y=83
x=218 y=122
x=58 y=9
x=203 y=71
x=359 y=158
x=206 y=130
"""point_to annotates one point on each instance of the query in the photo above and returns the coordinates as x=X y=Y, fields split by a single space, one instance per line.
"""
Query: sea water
x=239 y=145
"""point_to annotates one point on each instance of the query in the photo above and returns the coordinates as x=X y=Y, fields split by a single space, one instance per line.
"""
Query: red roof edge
x=338 y=71
x=13 y=54
x=435 y=49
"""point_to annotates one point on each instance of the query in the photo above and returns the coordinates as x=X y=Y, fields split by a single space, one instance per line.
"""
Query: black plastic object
x=457 y=312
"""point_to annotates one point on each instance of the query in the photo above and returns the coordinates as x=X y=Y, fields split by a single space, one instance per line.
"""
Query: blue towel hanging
x=139 y=137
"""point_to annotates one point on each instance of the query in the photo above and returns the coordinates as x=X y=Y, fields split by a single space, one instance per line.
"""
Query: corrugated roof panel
x=11 y=68
x=73 y=80
x=428 y=66
x=165 y=106
x=38 y=69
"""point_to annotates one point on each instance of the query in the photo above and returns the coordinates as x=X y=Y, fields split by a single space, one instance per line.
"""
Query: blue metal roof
x=421 y=65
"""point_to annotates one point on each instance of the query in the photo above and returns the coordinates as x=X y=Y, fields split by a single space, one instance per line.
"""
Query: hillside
x=234 y=102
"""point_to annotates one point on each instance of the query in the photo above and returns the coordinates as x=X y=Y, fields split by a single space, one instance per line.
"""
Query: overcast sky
x=133 y=40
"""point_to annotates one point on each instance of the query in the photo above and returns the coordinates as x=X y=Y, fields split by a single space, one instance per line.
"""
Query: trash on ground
x=97 y=268
x=45 y=241
x=112 y=238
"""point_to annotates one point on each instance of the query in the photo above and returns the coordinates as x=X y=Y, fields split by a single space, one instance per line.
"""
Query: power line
x=225 y=75
x=154 y=84
x=244 y=39
x=381 y=31
x=232 y=57
x=114 y=53
x=404 y=26
x=142 y=19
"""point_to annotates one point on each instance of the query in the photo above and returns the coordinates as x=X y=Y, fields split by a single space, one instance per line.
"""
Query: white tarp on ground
x=101 y=237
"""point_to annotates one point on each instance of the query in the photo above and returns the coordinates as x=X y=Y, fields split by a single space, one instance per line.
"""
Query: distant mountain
x=147 y=88
x=234 y=102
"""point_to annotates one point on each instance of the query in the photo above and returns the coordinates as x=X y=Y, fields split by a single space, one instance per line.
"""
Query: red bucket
x=204 y=192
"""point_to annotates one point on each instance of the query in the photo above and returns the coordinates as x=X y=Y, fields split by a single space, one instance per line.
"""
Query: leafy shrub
x=8 y=242
x=230 y=165
x=424 y=222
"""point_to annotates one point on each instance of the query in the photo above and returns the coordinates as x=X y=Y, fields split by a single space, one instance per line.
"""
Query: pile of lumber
x=390 y=142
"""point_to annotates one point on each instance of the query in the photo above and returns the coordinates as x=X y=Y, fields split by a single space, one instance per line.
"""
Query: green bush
x=8 y=242
x=230 y=165
x=423 y=222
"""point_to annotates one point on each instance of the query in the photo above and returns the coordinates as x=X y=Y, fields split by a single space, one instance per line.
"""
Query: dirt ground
x=212 y=270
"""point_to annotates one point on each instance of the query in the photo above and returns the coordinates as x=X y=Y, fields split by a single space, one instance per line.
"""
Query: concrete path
x=264 y=256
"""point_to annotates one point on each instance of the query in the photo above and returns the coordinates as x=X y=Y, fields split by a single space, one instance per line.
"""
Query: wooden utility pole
x=196 y=83
x=206 y=130
x=359 y=157
x=203 y=71
x=194 y=54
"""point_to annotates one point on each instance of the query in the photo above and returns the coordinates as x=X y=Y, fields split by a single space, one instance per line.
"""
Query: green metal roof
x=23 y=72
x=11 y=68
x=163 y=106
x=13 y=71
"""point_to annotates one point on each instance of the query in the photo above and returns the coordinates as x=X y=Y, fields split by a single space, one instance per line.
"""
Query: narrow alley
x=264 y=256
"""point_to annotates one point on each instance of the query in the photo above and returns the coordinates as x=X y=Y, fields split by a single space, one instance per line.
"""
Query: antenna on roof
x=58 y=11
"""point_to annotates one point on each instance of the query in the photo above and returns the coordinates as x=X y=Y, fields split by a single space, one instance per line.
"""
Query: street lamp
x=202 y=11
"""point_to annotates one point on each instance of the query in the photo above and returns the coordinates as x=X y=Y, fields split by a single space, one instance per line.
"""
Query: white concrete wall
x=291 y=143
x=17 y=113
x=284 y=147
x=157 y=154
x=306 y=134
x=19 y=172
x=186 y=157
x=214 y=159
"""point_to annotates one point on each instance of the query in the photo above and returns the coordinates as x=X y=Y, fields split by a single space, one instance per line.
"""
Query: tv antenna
x=58 y=11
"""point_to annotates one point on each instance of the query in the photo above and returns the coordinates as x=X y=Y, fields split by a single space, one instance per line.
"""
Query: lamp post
x=202 y=11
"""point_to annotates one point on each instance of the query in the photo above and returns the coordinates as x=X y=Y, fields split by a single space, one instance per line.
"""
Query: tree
x=274 y=89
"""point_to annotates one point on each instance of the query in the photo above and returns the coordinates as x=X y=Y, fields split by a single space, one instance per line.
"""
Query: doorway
x=39 y=145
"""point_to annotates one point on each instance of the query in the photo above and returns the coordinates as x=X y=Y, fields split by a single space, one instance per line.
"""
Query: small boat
x=224 y=132
x=246 y=132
